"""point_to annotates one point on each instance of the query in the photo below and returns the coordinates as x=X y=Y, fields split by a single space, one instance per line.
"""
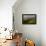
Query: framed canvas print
x=28 y=18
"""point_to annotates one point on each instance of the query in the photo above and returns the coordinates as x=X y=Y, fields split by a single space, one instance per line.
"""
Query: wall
x=32 y=32
x=43 y=22
x=6 y=13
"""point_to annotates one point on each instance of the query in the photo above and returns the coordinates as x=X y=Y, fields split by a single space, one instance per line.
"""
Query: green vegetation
x=29 y=21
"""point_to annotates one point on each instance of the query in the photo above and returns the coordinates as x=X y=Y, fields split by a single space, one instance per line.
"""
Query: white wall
x=43 y=22
x=6 y=13
x=32 y=32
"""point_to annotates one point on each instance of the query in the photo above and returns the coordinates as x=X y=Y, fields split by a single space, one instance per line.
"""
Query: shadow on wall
x=17 y=4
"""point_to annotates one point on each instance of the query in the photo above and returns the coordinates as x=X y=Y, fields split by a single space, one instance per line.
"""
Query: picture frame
x=29 y=18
